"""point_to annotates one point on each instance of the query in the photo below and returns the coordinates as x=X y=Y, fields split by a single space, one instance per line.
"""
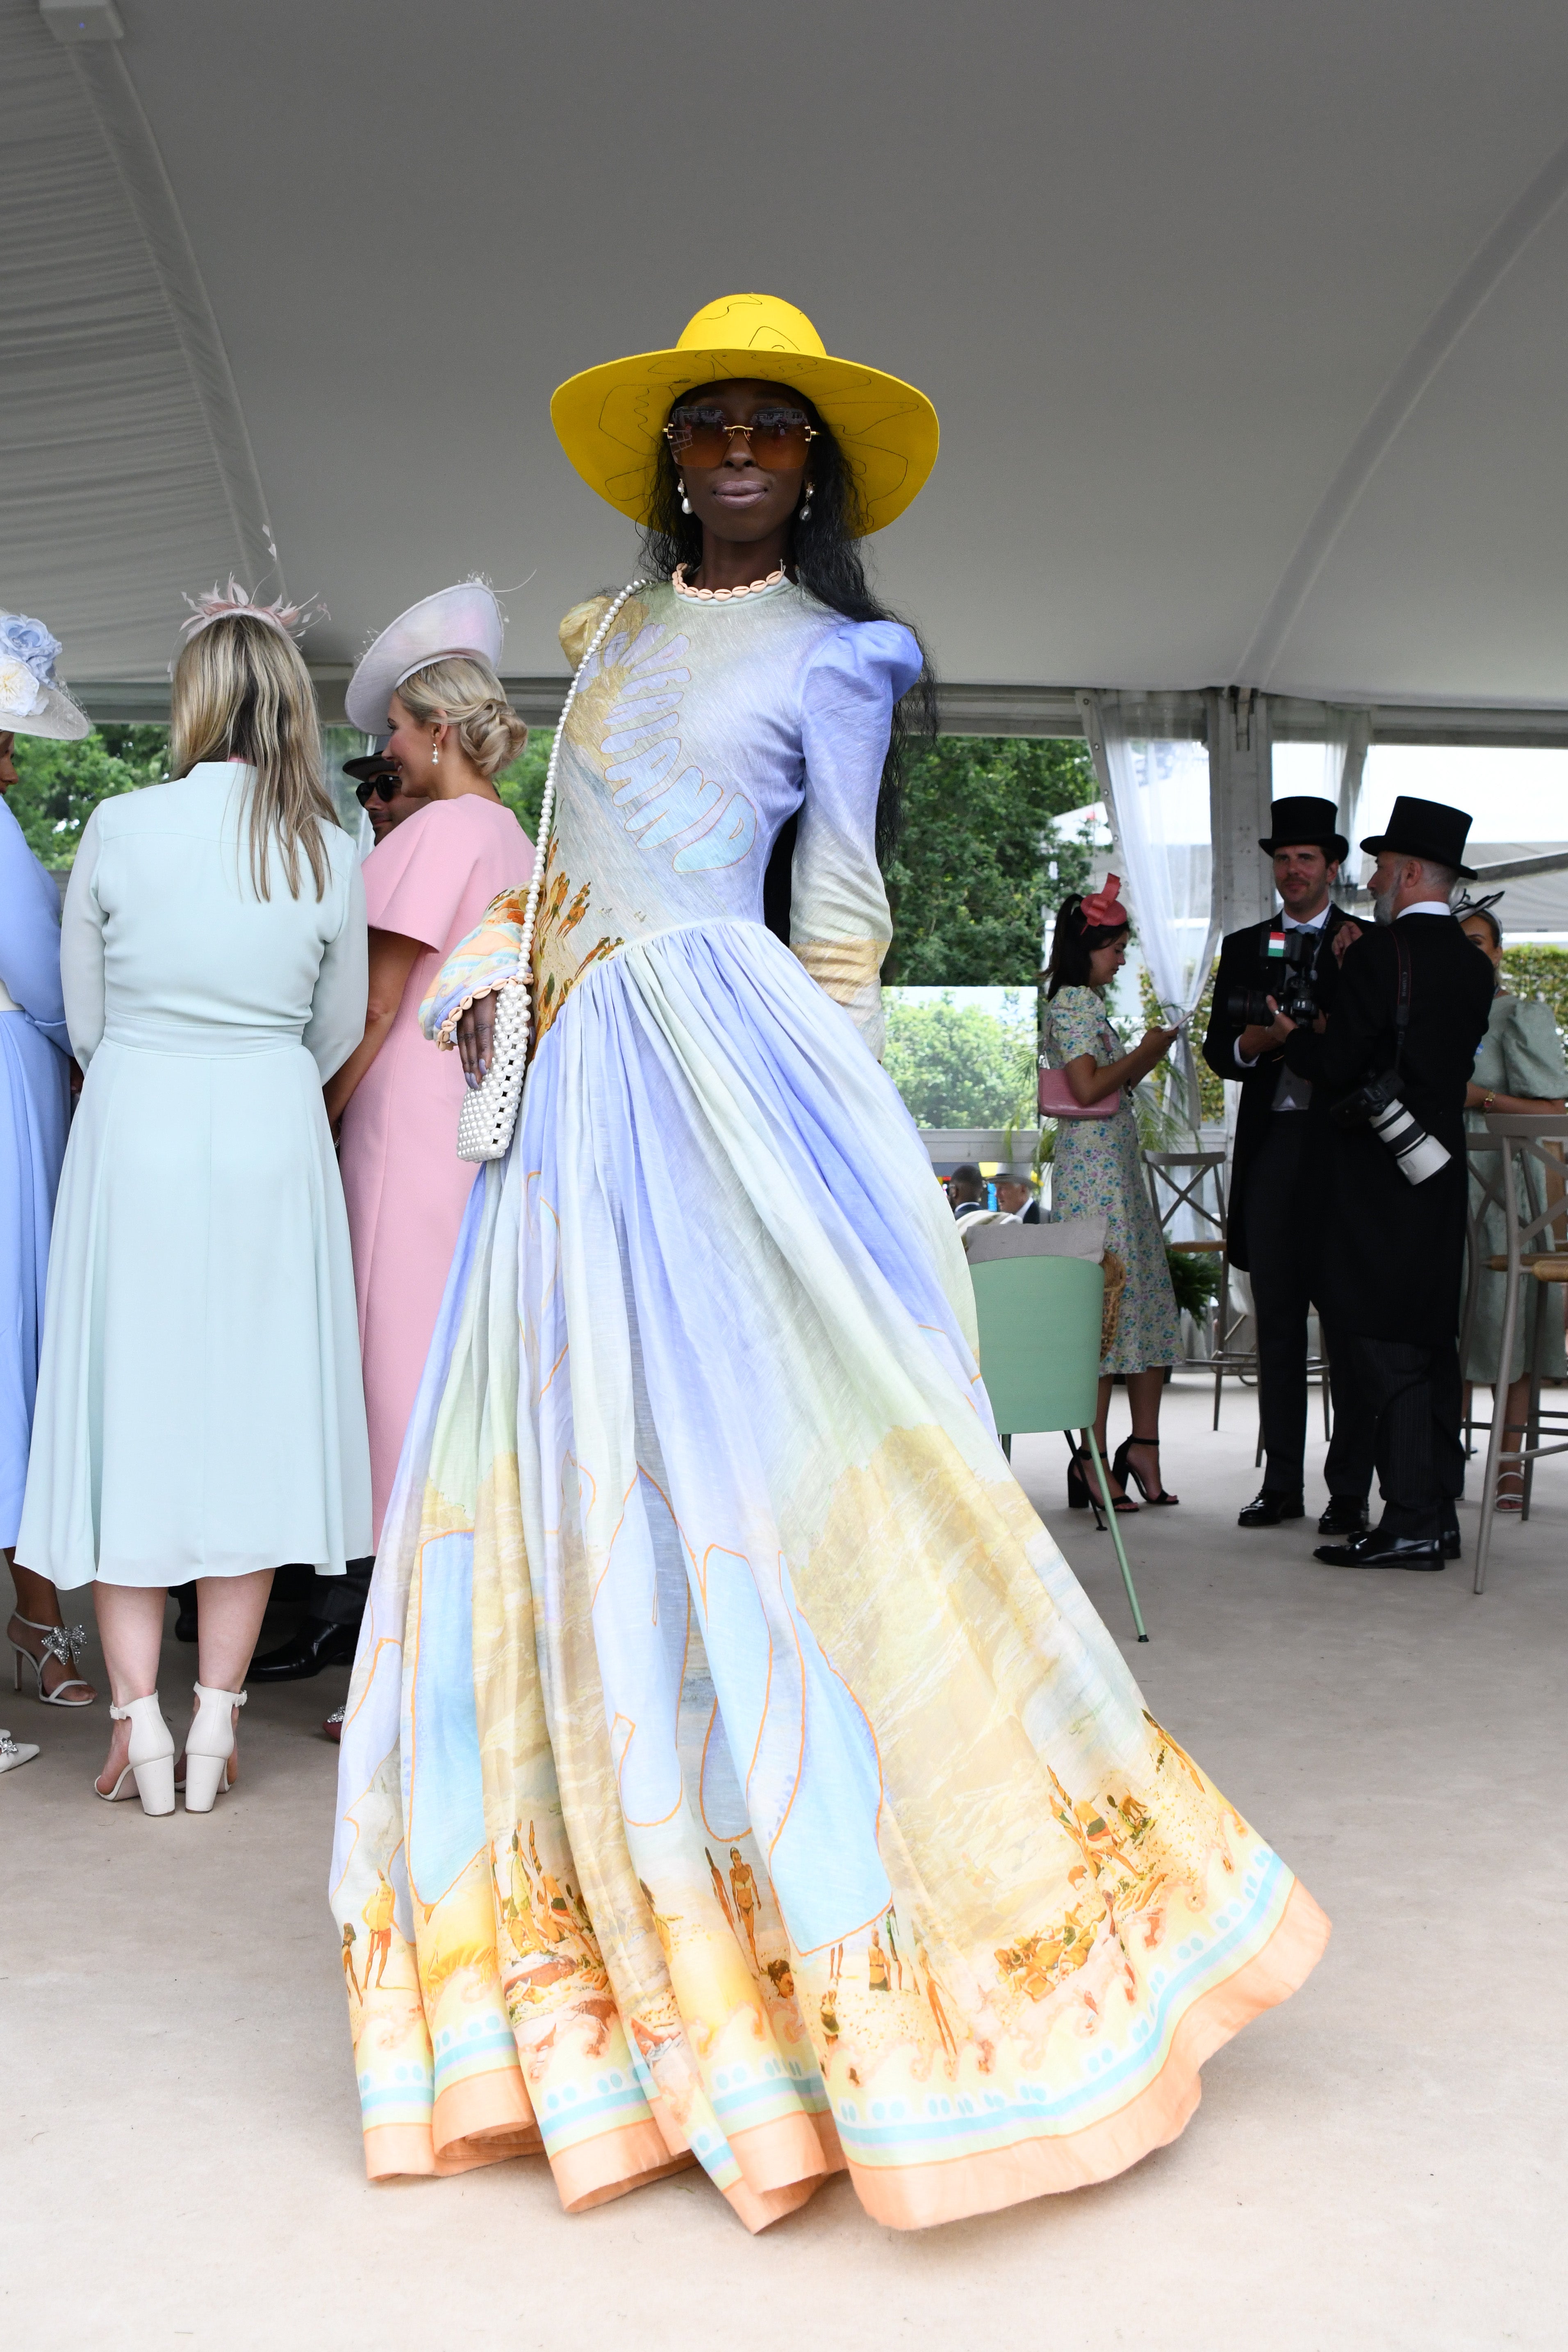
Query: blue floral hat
x=32 y=699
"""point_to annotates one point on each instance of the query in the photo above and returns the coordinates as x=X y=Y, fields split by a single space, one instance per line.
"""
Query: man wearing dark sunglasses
x=382 y=790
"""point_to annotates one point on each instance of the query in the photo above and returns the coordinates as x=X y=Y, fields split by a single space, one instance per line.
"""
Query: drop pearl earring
x=435 y=755
x=803 y=513
x=685 y=501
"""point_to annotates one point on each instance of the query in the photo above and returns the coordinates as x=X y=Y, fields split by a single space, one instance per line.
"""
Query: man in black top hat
x=1413 y=1000
x=1271 y=1220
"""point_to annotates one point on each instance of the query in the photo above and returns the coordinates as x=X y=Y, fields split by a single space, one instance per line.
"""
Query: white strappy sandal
x=151 y=1765
x=15 y=1752
x=61 y=1642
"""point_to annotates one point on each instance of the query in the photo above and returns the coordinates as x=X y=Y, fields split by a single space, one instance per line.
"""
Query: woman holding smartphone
x=1098 y=1171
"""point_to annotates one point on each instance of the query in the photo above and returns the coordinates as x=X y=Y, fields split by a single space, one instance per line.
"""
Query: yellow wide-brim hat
x=610 y=418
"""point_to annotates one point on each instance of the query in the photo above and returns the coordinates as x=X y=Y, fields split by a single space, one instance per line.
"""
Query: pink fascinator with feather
x=1104 y=911
x=221 y=604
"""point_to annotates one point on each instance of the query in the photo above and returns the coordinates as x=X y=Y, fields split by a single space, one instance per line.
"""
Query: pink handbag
x=1058 y=1100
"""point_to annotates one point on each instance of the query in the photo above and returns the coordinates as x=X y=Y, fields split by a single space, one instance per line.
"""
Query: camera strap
x=1402 y=1003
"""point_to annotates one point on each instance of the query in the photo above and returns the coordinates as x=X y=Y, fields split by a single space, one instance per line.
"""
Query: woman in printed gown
x=430 y=678
x=713 y=1654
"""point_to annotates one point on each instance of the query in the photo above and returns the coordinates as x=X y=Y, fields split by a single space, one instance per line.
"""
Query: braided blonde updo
x=467 y=694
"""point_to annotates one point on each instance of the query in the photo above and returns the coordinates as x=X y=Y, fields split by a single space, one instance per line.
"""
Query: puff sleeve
x=1074 y=1025
x=840 y=927
x=1533 y=1052
x=416 y=880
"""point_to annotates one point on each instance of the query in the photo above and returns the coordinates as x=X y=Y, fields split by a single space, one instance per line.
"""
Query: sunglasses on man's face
x=779 y=439
x=385 y=786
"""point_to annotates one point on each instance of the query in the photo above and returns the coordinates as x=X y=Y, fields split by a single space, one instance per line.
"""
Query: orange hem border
x=483 y=2120
x=923 y=2195
x=901 y=2197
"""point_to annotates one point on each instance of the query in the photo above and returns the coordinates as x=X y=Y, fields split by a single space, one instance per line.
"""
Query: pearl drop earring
x=685 y=501
x=803 y=514
x=435 y=755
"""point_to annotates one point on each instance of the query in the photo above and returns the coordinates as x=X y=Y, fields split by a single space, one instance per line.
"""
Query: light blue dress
x=200 y=1409
x=35 y=1105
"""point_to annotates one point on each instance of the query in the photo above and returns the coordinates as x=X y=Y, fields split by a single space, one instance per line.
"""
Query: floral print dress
x=1098 y=1171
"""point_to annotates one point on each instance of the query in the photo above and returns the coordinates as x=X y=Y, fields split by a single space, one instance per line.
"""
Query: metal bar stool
x=1182 y=1175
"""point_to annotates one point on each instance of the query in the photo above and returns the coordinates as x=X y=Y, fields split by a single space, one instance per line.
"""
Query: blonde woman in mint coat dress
x=200 y=1411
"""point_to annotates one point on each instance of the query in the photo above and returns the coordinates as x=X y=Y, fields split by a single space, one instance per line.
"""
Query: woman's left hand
x=476 y=1036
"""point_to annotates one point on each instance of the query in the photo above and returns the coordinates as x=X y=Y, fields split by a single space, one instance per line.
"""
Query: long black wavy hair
x=825 y=558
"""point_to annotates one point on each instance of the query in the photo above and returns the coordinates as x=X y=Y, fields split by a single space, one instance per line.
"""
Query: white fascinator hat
x=32 y=699
x=460 y=622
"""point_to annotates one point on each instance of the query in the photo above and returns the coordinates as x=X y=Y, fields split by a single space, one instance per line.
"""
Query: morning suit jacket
x=1391 y=1254
x=1241 y=965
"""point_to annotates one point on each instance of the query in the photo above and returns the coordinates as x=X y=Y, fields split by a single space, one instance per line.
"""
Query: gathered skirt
x=34 y=1105
x=200 y=1409
x=733 y=1771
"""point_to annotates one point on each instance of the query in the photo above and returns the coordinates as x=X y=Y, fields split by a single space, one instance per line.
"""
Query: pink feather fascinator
x=220 y=605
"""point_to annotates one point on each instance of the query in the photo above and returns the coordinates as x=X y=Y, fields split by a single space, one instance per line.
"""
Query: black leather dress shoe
x=1375 y=1549
x=1346 y=1516
x=1452 y=1547
x=1266 y=1510
x=313 y=1646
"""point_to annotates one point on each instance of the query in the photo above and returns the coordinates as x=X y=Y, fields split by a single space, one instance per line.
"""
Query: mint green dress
x=200 y=1409
x=1097 y=1170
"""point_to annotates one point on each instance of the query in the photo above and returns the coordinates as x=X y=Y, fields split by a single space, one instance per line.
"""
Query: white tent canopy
x=1247 y=327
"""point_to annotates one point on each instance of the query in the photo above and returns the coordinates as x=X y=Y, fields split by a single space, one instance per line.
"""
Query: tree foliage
x=522 y=785
x=58 y=785
x=978 y=865
x=958 y=1065
x=1540 y=972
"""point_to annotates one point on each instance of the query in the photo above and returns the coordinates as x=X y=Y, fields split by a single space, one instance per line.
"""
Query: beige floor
x=1377 y=2165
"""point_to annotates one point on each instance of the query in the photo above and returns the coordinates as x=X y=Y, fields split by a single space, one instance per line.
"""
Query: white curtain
x=1344 y=763
x=1156 y=787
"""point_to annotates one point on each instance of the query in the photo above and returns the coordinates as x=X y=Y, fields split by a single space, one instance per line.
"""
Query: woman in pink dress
x=431 y=678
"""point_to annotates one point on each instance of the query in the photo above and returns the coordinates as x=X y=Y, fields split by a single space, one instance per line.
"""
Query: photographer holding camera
x=1393 y=1063
x=1274 y=977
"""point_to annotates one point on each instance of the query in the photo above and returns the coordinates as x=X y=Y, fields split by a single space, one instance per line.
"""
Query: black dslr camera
x=1287 y=965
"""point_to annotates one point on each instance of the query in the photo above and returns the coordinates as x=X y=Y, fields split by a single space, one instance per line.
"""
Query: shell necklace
x=721 y=596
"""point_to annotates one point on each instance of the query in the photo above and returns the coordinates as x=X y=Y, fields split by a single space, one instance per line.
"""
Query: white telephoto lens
x=1418 y=1154
x=1424 y=1159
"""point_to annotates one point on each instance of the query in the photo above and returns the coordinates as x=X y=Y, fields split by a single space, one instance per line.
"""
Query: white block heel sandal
x=209 y=1743
x=152 y=1760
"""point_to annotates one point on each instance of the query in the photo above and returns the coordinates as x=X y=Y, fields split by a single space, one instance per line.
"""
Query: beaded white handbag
x=489 y=1115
